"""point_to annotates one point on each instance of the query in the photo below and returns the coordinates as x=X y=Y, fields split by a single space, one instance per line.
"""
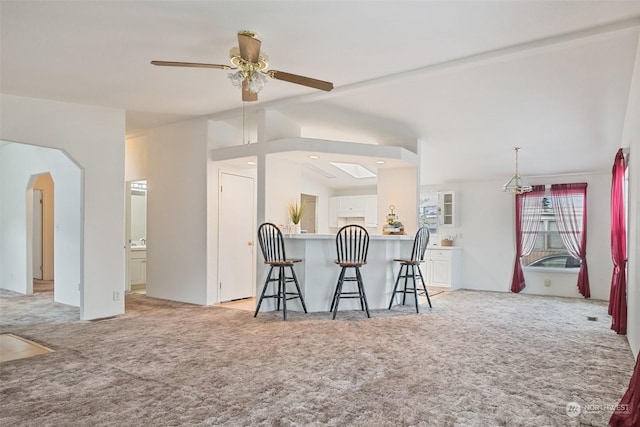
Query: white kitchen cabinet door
x=358 y=204
x=443 y=267
x=138 y=268
x=440 y=272
x=350 y=206
x=447 y=208
x=371 y=211
x=333 y=211
x=344 y=205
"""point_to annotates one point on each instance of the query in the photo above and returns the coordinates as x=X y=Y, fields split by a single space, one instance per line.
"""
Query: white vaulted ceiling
x=470 y=80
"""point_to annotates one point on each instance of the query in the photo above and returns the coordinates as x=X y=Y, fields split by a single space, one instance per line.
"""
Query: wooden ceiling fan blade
x=249 y=46
x=301 y=80
x=246 y=95
x=190 y=64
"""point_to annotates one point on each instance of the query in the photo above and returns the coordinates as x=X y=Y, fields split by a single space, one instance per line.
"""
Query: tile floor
x=13 y=347
x=247 y=304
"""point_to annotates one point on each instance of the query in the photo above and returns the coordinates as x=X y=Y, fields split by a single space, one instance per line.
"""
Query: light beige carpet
x=475 y=359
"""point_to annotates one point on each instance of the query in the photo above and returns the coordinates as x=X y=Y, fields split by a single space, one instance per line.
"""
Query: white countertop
x=309 y=236
x=446 y=248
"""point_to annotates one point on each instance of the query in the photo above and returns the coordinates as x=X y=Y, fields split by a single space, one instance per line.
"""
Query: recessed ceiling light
x=380 y=162
x=314 y=156
x=251 y=162
x=355 y=170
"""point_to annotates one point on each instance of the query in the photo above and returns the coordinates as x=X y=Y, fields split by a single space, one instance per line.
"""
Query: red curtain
x=528 y=210
x=618 y=294
x=570 y=211
x=627 y=413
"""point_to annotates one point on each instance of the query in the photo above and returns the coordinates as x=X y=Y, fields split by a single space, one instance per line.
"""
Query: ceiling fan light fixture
x=256 y=82
x=236 y=78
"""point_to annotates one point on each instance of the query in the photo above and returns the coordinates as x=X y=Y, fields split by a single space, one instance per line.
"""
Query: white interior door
x=37 y=234
x=236 y=251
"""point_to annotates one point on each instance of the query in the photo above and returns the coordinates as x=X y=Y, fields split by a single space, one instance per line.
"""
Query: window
x=429 y=213
x=549 y=251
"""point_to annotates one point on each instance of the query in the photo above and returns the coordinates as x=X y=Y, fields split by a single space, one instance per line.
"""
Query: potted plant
x=295 y=213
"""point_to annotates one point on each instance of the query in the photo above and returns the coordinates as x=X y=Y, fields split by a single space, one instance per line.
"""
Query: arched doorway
x=21 y=165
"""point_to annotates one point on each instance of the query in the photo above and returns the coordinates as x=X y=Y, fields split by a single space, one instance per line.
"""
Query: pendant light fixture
x=516 y=184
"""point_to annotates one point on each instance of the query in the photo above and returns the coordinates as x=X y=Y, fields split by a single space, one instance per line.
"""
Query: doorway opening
x=137 y=236
x=43 y=235
x=308 y=222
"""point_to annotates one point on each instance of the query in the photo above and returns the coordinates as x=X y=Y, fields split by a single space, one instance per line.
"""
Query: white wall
x=275 y=125
x=631 y=139
x=633 y=269
x=135 y=159
x=19 y=163
x=322 y=193
x=399 y=187
x=283 y=185
x=177 y=212
x=486 y=223
x=94 y=138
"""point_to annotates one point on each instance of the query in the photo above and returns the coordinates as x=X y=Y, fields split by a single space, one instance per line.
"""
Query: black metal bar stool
x=352 y=244
x=272 y=245
x=410 y=269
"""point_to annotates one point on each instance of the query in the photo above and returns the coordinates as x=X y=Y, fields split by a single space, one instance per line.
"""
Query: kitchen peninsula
x=318 y=274
x=283 y=169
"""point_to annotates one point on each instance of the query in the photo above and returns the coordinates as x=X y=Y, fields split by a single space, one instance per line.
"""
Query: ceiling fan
x=251 y=63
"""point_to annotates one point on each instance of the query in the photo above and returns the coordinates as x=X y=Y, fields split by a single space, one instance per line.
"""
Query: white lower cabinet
x=443 y=267
x=138 y=268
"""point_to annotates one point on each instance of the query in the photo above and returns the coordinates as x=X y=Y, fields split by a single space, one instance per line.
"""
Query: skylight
x=354 y=169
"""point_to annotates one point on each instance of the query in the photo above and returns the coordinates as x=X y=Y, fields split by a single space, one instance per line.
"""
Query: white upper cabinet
x=351 y=206
x=371 y=211
x=447 y=208
x=438 y=210
x=333 y=211
x=354 y=207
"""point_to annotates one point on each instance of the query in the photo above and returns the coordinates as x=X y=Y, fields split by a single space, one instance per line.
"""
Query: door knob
x=250 y=243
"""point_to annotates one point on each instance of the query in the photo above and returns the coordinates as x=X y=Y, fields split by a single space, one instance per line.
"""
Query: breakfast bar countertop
x=333 y=236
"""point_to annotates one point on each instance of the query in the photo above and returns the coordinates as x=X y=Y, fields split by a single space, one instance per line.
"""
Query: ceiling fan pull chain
x=249 y=128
